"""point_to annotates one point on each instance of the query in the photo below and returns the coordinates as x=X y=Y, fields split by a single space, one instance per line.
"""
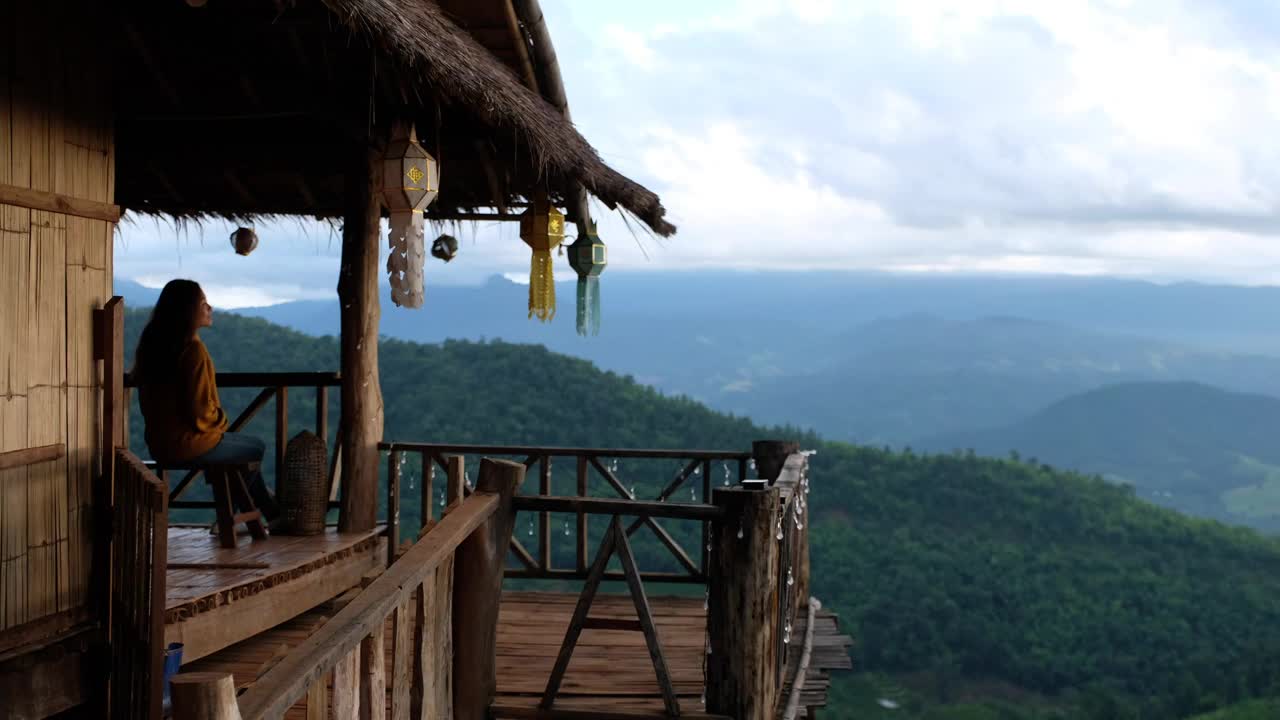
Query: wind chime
x=542 y=229
x=410 y=181
x=588 y=256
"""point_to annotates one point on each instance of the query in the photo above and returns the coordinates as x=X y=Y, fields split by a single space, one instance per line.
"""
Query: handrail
x=275 y=386
x=604 y=506
x=287 y=682
x=554 y=451
x=536 y=560
x=266 y=379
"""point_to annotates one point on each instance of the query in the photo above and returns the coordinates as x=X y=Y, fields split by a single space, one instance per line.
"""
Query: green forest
x=974 y=588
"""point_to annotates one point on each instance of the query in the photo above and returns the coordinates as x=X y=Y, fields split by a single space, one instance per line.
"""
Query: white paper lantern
x=410 y=181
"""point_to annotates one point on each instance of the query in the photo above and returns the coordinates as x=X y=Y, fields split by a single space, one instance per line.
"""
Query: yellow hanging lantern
x=542 y=228
x=410 y=181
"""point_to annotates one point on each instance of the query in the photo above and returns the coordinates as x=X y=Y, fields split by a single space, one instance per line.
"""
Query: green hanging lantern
x=588 y=256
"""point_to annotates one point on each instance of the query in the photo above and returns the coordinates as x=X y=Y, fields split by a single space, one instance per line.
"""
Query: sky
x=1099 y=137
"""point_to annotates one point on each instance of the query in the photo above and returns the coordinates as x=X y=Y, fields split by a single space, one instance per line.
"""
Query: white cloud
x=1131 y=137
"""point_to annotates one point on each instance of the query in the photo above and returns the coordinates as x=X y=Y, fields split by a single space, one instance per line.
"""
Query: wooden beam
x=607 y=506
x=524 y=712
x=61 y=204
x=522 y=46
x=645 y=615
x=566 y=451
x=30 y=456
x=267 y=380
x=362 y=407
x=477 y=591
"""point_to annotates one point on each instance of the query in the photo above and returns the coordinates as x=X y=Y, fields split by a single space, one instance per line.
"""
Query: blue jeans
x=237 y=447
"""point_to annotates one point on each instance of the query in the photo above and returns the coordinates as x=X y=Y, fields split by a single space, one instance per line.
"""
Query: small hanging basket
x=244 y=240
x=304 y=495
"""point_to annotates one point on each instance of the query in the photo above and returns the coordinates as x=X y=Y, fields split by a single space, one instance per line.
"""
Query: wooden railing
x=792 y=576
x=273 y=386
x=440 y=594
x=591 y=465
x=759 y=581
x=139 y=537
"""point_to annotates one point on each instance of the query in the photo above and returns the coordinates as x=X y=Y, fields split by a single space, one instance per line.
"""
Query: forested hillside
x=974 y=588
x=1195 y=448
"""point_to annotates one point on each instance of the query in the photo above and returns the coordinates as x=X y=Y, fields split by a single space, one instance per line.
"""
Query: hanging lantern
x=588 y=256
x=244 y=240
x=445 y=247
x=410 y=181
x=542 y=228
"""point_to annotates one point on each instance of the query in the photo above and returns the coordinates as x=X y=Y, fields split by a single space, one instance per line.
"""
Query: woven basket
x=304 y=496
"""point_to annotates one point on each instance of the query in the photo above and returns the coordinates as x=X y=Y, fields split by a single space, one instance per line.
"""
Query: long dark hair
x=171 y=324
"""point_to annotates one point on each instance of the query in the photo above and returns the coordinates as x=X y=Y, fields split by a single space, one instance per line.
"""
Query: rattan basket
x=304 y=495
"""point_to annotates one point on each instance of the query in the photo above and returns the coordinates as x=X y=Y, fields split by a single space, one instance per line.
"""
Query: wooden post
x=282 y=431
x=204 y=696
x=802 y=552
x=477 y=591
x=362 y=410
x=742 y=610
x=428 y=490
x=322 y=413
x=455 y=480
x=544 y=518
x=393 y=505
x=771 y=456
x=582 y=516
x=373 y=674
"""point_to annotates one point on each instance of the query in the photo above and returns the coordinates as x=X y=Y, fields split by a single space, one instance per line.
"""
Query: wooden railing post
x=771 y=456
x=743 y=605
x=204 y=696
x=393 y=505
x=477 y=590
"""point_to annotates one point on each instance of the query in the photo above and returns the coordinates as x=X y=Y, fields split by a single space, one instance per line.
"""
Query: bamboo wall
x=55 y=269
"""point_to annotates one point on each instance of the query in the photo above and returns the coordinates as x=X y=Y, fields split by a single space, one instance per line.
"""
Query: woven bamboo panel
x=56 y=136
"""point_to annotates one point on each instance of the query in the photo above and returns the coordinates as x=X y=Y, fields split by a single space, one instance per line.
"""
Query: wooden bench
x=230 y=490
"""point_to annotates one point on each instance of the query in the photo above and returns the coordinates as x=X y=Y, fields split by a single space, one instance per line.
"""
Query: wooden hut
x=234 y=109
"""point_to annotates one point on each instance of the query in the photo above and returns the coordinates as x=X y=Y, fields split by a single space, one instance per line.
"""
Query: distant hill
x=1188 y=446
x=899 y=379
x=951 y=571
x=868 y=358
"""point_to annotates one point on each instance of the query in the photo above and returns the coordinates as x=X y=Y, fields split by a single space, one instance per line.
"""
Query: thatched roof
x=237 y=109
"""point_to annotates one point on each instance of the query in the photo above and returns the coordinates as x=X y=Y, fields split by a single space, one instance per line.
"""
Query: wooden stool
x=230 y=489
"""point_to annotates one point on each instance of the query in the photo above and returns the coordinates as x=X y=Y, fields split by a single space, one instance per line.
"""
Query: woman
x=179 y=395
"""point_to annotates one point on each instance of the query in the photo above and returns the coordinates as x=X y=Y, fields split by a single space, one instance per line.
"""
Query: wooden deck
x=610 y=671
x=217 y=596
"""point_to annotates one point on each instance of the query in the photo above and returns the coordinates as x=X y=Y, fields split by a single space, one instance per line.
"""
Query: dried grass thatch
x=241 y=109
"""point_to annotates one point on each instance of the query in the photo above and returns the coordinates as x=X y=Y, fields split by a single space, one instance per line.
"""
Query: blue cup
x=172 y=661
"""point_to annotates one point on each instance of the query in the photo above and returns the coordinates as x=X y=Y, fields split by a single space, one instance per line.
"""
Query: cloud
x=1128 y=137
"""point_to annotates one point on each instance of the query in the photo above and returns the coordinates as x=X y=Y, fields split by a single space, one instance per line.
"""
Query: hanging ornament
x=588 y=256
x=445 y=247
x=542 y=228
x=244 y=240
x=410 y=181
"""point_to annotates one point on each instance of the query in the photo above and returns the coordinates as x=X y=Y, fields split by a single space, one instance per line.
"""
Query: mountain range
x=982 y=588
x=1156 y=386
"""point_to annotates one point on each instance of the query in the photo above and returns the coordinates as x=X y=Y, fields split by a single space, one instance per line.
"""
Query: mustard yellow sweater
x=184 y=418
